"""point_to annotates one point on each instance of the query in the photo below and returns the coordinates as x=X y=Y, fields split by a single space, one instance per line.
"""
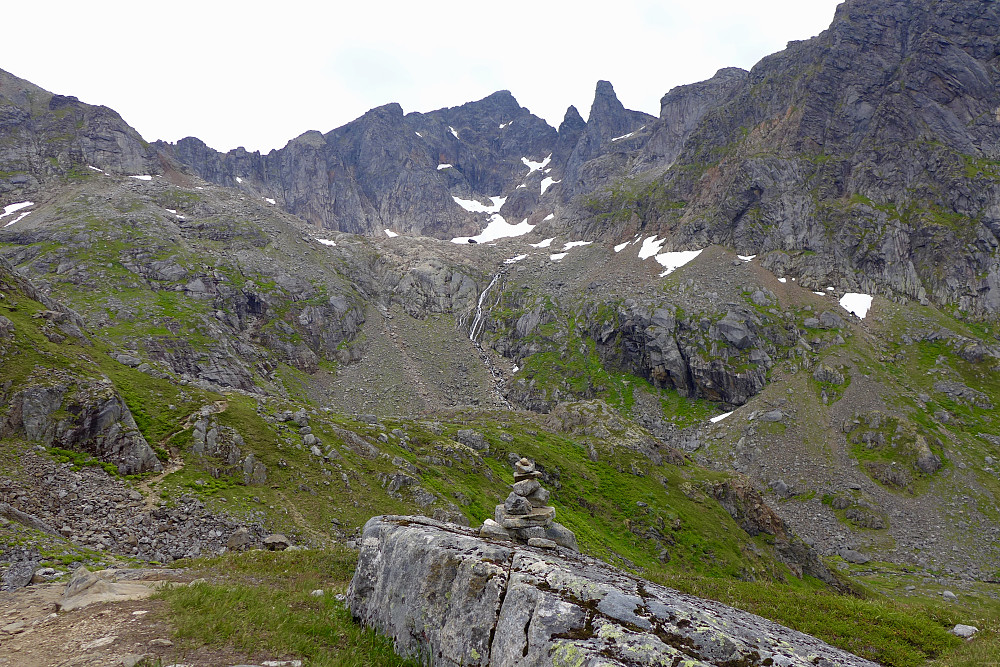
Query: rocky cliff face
x=610 y=133
x=862 y=158
x=452 y=598
x=719 y=355
x=387 y=170
x=46 y=136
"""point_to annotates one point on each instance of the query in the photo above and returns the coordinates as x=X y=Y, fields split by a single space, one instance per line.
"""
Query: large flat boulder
x=452 y=598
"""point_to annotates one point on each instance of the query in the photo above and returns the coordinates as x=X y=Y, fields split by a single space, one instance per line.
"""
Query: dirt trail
x=32 y=634
x=174 y=464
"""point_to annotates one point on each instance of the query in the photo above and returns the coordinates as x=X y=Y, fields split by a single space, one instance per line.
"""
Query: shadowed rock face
x=454 y=599
x=382 y=170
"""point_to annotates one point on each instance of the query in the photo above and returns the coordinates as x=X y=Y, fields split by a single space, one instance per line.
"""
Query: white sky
x=257 y=74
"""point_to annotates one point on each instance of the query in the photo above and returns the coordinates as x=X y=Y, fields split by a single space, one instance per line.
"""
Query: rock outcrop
x=90 y=418
x=48 y=136
x=451 y=598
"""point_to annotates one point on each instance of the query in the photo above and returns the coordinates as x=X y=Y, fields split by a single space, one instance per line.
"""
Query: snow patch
x=170 y=210
x=503 y=125
x=515 y=369
x=522 y=185
x=829 y=289
x=543 y=244
x=514 y=260
x=18 y=218
x=143 y=177
x=498 y=228
x=546 y=182
x=781 y=280
x=746 y=258
x=239 y=180
x=820 y=293
x=622 y=246
x=576 y=244
x=444 y=166
x=328 y=242
x=269 y=201
x=671 y=261
x=90 y=166
x=535 y=166
x=391 y=234
x=454 y=133
x=419 y=135
x=856 y=303
x=718 y=418
x=13 y=208
x=550 y=216
x=624 y=136
x=559 y=255
x=473 y=206
x=650 y=247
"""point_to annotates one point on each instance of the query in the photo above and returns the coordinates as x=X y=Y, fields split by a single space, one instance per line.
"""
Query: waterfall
x=478 y=319
x=477 y=323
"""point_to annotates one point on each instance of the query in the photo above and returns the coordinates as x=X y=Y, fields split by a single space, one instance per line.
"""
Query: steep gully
x=477 y=323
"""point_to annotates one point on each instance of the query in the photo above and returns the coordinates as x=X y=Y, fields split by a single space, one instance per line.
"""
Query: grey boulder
x=450 y=598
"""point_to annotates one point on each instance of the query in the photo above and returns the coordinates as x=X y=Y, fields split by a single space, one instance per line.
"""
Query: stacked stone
x=525 y=516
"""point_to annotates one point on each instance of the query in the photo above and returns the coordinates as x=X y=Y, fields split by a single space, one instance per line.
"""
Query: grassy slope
x=600 y=500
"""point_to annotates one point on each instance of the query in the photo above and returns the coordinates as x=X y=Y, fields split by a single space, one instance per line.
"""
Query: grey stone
x=516 y=505
x=824 y=373
x=762 y=298
x=539 y=497
x=929 y=462
x=18 y=575
x=493 y=530
x=852 y=556
x=830 y=320
x=276 y=542
x=133 y=659
x=964 y=631
x=950 y=596
x=526 y=487
x=538 y=516
x=444 y=595
x=524 y=467
x=562 y=536
x=240 y=539
x=541 y=543
x=472 y=439
x=772 y=416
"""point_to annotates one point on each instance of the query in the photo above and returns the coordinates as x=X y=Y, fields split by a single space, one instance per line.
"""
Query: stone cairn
x=525 y=517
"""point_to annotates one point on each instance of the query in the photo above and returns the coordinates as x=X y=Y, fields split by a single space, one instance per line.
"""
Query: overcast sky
x=257 y=74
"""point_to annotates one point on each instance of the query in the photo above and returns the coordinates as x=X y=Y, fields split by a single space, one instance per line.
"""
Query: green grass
x=260 y=602
x=79 y=460
x=888 y=632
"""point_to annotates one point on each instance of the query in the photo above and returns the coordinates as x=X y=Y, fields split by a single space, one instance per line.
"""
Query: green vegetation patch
x=890 y=633
x=260 y=601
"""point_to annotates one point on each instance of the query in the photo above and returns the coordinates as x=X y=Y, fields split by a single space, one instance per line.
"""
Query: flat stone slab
x=86 y=588
x=451 y=598
x=537 y=516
